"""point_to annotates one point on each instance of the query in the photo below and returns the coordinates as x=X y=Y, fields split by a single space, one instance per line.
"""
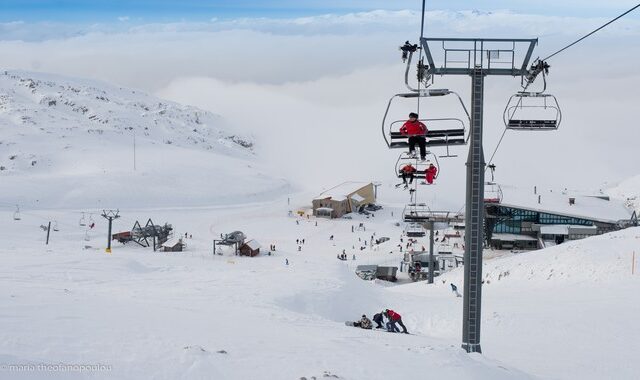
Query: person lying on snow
x=364 y=323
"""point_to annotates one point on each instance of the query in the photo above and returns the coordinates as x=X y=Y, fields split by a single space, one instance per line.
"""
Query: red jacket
x=393 y=315
x=413 y=128
x=408 y=169
x=431 y=174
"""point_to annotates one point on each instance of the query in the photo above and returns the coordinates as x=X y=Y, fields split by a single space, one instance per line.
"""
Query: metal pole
x=108 y=250
x=48 y=231
x=134 y=150
x=474 y=219
x=431 y=253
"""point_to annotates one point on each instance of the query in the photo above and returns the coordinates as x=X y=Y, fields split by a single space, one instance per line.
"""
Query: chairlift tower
x=110 y=215
x=477 y=58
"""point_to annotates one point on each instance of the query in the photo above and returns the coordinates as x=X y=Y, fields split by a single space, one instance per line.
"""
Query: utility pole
x=375 y=190
x=134 y=150
x=110 y=215
x=483 y=58
x=431 y=266
x=48 y=231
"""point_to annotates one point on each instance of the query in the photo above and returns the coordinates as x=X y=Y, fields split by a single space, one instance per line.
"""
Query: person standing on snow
x=416 y=131
x=394 y=318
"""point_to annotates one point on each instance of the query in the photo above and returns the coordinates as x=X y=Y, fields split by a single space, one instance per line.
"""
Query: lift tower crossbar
x=477 y=58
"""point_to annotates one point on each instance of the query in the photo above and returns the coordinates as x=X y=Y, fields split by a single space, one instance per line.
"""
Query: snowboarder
x=299 y=248
x=286 y=262
x=331 y=237
x=454 y=289
x=416 y=131
x=430 y=173
x=364 y=323
x=394 y=318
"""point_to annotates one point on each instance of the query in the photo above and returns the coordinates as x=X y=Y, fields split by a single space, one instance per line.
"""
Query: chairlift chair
x=83 y=221
x=442 y=132
x=55 y=226
x=532 y=111
x=421 y=166
x=492 y=193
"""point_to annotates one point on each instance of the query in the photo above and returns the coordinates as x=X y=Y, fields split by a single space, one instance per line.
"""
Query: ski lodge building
x=343 y=199
x=530 y=220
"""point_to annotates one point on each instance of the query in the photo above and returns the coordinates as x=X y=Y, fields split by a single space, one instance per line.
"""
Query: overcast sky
x=312 y=87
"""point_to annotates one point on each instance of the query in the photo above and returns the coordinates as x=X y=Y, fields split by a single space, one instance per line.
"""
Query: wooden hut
x=173 y=245
x=250 y=248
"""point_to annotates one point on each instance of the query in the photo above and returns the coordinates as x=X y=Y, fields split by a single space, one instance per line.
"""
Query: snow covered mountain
x=627 y=190
x=77 y=137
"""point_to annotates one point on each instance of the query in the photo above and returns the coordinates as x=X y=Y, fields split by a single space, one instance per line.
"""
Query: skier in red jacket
x=393 y=319
x=407 y=171
x=430 y=173
x=416 y=131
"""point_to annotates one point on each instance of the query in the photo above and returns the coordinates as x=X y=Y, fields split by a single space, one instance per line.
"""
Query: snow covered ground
x=562 y=313
x=565 y=312
x=69 y=142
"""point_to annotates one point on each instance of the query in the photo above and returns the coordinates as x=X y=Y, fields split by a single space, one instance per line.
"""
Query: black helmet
x=364 y=316
x=413 y=114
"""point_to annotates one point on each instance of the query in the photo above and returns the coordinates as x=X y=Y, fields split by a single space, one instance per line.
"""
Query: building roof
x=512 y=237
x=253 y=244
x=554 y=202
x=171 y=243
x=340 y=192
x=357 y=197
x=561 y=229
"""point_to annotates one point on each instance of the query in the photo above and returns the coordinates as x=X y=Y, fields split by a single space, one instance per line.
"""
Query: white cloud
x=313 y=90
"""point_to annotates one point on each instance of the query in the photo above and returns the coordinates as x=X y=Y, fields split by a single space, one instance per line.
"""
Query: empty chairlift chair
x=532 y=111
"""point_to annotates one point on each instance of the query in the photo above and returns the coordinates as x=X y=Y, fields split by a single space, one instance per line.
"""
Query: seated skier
x=416 y=132
x=364 y=323
x=430 y=173
x=407 y=171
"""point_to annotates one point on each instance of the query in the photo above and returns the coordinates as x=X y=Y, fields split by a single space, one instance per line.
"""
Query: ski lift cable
x=594 y=31
x=556 y=53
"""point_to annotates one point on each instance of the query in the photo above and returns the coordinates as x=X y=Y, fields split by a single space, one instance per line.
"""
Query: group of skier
x=391 y=316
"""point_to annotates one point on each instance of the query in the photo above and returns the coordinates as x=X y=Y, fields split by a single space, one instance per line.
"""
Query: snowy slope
x=628 y=191
x=69 y=143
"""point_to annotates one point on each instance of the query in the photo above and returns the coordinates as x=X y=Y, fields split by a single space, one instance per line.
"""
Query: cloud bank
x=313 y=90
